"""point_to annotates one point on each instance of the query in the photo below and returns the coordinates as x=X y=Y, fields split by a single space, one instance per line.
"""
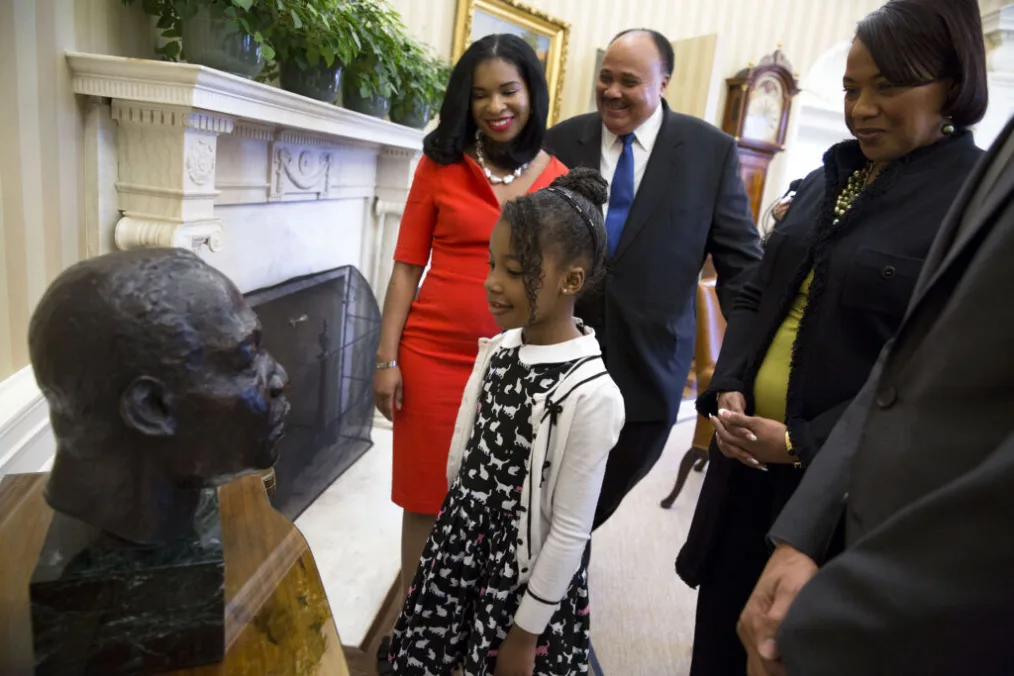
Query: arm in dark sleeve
x=737 y=345
x=928 y=591
x=809 y=519
x=733 y=241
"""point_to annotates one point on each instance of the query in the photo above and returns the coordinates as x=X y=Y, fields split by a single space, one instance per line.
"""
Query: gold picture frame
x=547 y=35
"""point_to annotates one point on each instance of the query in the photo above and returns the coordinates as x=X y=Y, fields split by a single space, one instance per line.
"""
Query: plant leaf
x=267 y=52
x=295 y=19
x=243 y=4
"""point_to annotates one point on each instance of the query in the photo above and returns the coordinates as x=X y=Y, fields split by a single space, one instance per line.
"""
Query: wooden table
x=277 y=618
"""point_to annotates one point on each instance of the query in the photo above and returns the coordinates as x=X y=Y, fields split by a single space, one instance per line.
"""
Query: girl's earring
x=948 y=127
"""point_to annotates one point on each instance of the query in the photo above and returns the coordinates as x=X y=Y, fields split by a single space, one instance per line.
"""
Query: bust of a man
x=157 y=387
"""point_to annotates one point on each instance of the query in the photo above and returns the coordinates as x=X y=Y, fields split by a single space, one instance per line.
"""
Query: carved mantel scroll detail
x=307 y=170
x=133 y=233
x=166 y=176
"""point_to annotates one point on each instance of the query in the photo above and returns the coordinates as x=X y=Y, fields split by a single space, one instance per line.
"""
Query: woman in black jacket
x=831 y=290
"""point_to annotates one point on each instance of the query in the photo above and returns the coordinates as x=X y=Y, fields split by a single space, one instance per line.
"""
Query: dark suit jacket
x=922 y=463
x=691 y=202
x=865 y=269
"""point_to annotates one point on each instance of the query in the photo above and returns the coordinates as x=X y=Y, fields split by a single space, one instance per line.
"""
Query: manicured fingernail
x=751 y=436
x=724 y=413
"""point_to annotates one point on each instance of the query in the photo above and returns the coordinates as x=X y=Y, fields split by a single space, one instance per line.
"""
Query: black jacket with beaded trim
x=865 y=269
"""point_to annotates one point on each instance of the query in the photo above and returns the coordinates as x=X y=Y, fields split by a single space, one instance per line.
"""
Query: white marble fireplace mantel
x=263 y=183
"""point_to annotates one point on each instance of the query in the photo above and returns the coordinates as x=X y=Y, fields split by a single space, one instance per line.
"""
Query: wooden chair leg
x=693 y=455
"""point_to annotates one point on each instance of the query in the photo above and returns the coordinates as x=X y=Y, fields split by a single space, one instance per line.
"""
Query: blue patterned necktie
x=621 y=193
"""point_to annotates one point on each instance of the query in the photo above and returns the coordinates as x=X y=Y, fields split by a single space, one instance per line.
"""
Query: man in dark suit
x=675 y=196
x=922 y=466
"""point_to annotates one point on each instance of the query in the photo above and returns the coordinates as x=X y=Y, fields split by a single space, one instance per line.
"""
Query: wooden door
x=693 y=88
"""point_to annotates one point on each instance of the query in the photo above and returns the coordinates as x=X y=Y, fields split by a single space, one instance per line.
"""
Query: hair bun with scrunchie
x=585 y=182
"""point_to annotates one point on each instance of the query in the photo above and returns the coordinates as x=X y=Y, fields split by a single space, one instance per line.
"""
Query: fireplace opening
x=324 y=329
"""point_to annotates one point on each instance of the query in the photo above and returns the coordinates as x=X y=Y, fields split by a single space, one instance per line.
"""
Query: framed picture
x=547 y=36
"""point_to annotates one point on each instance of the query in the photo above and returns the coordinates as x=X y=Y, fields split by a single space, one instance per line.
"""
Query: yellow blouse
x=771 y=387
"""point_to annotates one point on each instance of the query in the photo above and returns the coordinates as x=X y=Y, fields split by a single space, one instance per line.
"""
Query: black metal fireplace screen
x=324 y=329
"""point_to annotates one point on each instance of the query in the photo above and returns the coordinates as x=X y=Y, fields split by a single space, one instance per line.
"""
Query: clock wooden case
x=757 y=115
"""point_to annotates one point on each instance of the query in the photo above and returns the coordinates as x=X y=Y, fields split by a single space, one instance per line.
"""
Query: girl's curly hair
x=566 y=217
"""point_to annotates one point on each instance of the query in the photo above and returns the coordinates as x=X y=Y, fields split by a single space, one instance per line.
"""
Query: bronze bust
x=157 y=385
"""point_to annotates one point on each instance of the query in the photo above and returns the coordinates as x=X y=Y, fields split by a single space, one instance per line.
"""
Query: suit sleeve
x=593 y=433
x=733 y=242
x=813 y=512
x=928 y=591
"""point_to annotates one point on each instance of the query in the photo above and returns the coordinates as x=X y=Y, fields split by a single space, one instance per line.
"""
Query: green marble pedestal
x=100 y=605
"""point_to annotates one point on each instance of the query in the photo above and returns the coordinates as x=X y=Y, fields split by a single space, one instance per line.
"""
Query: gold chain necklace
x=855 y=187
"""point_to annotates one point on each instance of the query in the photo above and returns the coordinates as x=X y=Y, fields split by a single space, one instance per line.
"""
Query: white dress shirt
x=644 y=142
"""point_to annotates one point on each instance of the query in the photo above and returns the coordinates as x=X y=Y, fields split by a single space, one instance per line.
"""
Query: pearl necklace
x=489 y=174
x=855 y=187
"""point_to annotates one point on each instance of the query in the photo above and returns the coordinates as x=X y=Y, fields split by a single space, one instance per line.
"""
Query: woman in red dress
x=487 y=149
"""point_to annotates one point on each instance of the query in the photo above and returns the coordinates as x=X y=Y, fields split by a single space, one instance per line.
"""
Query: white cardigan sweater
x=575 y=424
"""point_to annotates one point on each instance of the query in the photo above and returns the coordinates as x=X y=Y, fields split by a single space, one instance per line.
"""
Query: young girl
x=502 y=587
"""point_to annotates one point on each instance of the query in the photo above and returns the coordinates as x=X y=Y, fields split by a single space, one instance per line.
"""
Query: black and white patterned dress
x=466 y=591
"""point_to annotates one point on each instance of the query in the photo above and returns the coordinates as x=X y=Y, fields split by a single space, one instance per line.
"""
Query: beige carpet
x=642 y=614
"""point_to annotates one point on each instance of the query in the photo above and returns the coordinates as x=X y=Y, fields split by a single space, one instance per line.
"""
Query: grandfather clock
x=757 y=115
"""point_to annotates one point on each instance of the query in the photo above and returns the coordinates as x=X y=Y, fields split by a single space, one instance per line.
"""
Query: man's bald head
x=666 y=56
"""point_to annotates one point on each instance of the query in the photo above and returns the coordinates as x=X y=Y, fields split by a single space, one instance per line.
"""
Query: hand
x=787 y=571
x=387 y=391
x=779 y=211
x=732 y=401
x=733 y=443
x=761 y=438
x=516 y=656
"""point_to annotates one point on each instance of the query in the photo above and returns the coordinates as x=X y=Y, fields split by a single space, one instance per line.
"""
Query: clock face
x=763 y=119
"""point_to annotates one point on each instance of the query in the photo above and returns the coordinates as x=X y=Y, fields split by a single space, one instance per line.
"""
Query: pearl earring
x=948 y=127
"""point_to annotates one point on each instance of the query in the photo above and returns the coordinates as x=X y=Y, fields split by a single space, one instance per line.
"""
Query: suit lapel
x=657 y=181
x=589 y=151
x=949 y=244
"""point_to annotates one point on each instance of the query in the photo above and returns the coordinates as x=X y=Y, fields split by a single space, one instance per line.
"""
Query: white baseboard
x=26 y=438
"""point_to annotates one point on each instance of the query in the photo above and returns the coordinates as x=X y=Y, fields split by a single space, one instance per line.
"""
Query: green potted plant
x=371 y=79
x=223 y=34
x=422 y=82
x=314 y=40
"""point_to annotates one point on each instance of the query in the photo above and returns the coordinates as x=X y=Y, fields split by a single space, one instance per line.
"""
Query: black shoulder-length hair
x=916 y=42
x=456 y=129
